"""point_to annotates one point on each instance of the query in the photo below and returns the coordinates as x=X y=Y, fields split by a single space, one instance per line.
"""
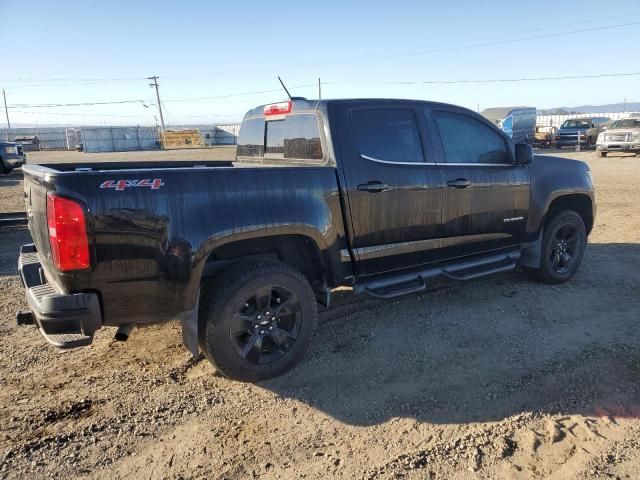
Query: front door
x=393 y=187
x=486 y=196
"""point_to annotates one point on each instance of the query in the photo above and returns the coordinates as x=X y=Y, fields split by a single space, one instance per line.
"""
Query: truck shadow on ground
x=477 y=352
x=484 y=351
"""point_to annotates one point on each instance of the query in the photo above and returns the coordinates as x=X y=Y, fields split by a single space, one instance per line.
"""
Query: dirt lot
x=501 y=378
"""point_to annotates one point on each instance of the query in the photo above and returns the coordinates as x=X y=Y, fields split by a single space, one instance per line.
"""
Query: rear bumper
x=65 y=320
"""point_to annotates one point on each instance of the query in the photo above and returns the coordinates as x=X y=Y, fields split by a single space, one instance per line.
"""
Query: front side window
x=467 y=140
x=388 y=134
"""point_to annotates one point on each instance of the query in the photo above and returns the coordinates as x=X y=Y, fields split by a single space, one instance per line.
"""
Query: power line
x=146 y=102
x=79 y=114
x=477 y=45
x=430 y=51
x=399 y=82
x=195 y=99
x=493 y=80
x=447 y=48
x=42 y=82
x=83 y=104
x=30 y=82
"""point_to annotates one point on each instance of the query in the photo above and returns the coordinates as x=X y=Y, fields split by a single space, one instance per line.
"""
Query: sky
x=212 y=57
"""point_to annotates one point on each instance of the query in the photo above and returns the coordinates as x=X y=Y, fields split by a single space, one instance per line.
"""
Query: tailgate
x=35 y=193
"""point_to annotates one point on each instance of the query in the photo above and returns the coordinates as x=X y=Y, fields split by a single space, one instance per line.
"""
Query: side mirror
x=524 y=153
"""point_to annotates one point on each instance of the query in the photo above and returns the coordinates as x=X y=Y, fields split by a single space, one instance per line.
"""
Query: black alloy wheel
x=266 y=324
x=564 y=240
x=564 y=250
x=256 y=319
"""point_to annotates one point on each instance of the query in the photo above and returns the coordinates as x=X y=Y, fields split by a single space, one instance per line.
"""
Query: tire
x=4 y=169
x=563 y=243
x=602 y=154
x=256 y=320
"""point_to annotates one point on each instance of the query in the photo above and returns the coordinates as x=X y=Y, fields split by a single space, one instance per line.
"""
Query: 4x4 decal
x=154 y=184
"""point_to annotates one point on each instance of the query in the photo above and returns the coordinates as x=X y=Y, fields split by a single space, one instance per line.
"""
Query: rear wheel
x=257 y=320
x=563 y=244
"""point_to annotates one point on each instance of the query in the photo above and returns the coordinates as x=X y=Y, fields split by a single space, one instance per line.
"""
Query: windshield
x=576 y=124
x=626 y=123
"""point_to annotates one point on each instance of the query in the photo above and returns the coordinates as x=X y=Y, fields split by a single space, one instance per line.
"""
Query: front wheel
x=602 y=154
x=257 y=320
x=563 y=243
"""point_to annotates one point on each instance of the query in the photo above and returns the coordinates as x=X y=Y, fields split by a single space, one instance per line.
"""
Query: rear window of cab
x=290 y=137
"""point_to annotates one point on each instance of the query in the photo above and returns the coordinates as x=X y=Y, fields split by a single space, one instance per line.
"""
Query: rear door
x=486 y=197
x=393 y=186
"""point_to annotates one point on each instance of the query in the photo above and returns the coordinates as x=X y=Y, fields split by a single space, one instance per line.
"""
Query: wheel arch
x=297 y=250
x=580 y=203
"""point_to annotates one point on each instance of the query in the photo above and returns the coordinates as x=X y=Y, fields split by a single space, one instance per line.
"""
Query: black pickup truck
x=380 y=195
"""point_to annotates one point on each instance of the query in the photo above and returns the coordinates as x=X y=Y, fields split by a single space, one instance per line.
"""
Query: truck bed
x=136 y=165
x=152 y=226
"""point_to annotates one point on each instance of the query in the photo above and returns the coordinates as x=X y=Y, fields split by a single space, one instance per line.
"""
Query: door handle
x=459 y=183
x=373 y=187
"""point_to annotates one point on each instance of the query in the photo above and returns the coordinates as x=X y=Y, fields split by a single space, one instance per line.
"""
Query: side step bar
x=416 y=282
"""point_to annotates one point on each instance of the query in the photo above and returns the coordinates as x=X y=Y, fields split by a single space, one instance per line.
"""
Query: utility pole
x=6 y=111
x=155 y=84
x=319 y=89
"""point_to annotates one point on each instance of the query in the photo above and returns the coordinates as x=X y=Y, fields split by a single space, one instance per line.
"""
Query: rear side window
x=251 y=138
x=294 y=137
x=388 y=134
x=467 y=140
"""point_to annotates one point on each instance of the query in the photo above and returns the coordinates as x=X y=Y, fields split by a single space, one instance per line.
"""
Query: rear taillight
x=67 y=234
x=278 y=108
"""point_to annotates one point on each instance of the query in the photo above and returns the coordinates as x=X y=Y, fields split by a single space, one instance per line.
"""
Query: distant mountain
x=609 y=108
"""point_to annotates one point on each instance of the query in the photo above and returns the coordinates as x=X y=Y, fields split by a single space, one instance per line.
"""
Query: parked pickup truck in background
x=622 y=136
x=11 y=156
x=380 y=195
x=587 y=129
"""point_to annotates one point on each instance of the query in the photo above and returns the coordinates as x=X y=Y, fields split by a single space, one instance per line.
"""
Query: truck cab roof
x=299 y=104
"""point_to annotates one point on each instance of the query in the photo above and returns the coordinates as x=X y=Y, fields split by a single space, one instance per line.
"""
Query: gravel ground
x=499 y=378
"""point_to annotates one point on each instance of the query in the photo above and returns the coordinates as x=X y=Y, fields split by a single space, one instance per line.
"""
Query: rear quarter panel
x=150 y=246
